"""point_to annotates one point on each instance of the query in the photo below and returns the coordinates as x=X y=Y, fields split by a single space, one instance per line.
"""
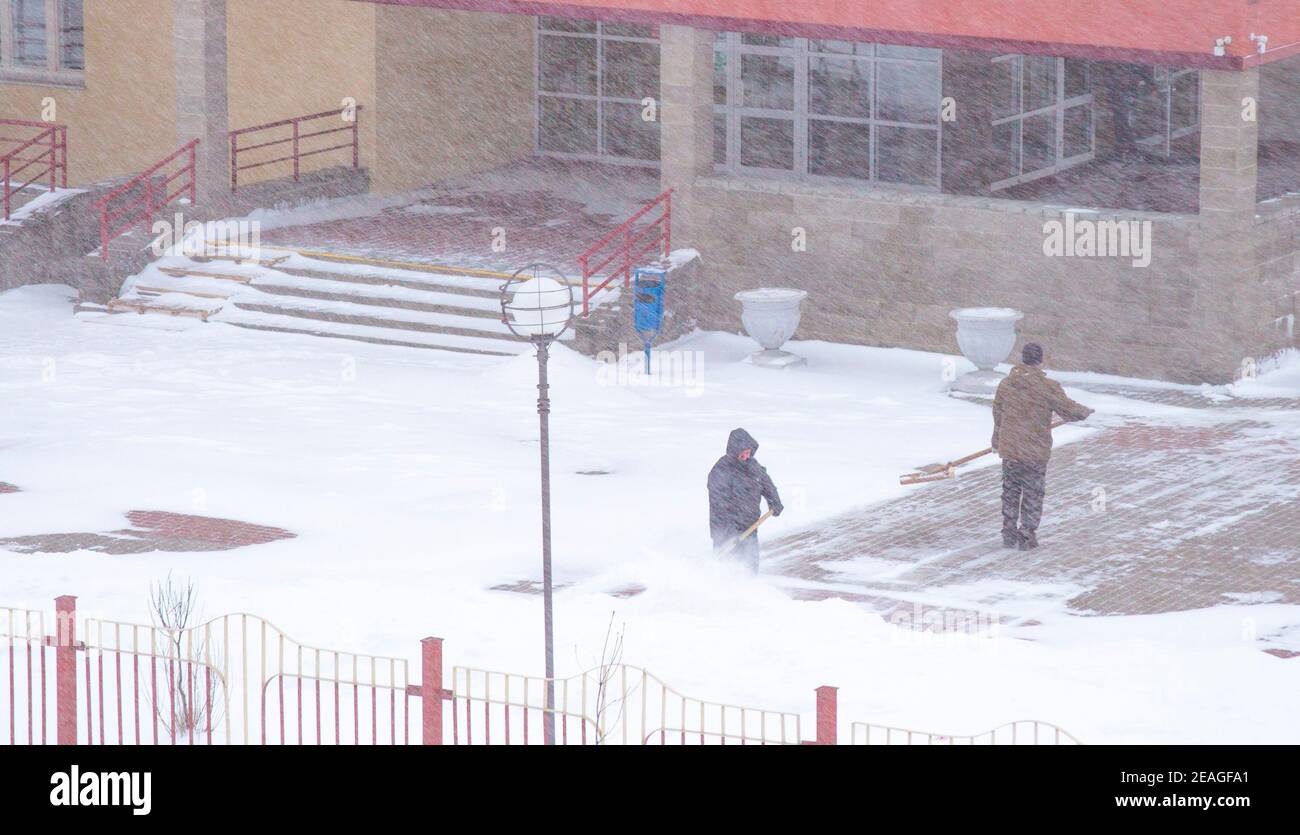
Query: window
x=825 y=108
x=591 y=80
x=1042 y=117
x=42 y=41
x=1173 y=112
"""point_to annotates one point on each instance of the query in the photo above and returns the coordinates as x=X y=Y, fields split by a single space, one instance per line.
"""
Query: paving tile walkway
x=1147 y=515
x=152 y=530
x=535 y=210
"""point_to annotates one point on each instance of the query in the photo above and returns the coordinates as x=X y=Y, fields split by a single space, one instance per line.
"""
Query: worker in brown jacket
x=1022 y=436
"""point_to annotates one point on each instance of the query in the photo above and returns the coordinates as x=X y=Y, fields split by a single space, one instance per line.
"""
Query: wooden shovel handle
x=946 y=471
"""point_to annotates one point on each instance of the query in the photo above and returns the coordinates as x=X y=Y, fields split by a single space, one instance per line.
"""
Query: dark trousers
x=745 y=550
x=1022 y=496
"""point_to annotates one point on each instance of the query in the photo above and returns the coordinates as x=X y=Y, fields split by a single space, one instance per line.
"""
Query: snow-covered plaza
x=408 y=481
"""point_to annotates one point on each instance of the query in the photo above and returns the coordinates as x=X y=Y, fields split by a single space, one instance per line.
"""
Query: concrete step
x=433 y=301
x=480 y=287
x=379 y=317
x=259 y=320
x=410 y=305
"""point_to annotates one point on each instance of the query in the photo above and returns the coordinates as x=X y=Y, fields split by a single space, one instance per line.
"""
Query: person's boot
x=1028 y=540
x=1010 y=539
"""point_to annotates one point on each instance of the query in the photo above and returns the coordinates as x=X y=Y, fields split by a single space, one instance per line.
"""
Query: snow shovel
x=939 y=472
x=731 y=546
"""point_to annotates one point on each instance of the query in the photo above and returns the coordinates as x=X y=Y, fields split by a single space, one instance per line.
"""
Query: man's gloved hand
x=776 y=509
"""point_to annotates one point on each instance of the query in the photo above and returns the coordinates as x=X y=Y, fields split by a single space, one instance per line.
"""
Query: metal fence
x=1020 y=732
x=615 y=704
x=240 y=679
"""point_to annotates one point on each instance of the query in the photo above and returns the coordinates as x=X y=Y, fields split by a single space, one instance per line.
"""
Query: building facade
x=1127 y=178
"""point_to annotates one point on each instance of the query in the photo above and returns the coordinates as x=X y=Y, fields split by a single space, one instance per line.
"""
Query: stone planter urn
x=770 y=316
x=986 y=336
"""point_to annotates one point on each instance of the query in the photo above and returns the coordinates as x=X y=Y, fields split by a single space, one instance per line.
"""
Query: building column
x=686 y=117
x=1229 y=144
x=202 y=103
x=1231 y=309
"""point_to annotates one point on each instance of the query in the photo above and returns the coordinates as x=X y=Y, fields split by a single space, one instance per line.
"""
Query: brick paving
x=152 y=530
x=1147 y=515
x=549 y=210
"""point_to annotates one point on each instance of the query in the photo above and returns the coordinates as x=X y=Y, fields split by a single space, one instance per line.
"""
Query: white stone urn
x=986 y=336
x=770 y=316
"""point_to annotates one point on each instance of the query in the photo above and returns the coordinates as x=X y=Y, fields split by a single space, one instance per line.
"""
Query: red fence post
x=431 y=690
x=827 y=716
x=295 y=150
x=234 y=163
x=65 y=668
x=6 y=188
x=63 y=142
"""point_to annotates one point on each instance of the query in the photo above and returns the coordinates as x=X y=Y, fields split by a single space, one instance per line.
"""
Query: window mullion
x=6 y=41
x=1060 y=110
x=600 y=94
x=799 y=134
x=735 y=95
x=52 y=51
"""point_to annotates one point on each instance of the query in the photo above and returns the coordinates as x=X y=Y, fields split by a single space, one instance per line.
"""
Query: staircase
x=410 y=305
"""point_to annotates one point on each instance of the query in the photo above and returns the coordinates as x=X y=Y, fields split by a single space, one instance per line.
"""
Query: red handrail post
x=431 y=690
x=827 y=716
x=194 y=172
x=295 y=150
x=586 y=292
x=54 y=159
x=6 y=188
x=65 y=669
x=627 y=258
x=63 y=139
x=148 y=204
x=668 y=223
x=356 y=138
x=234 y=163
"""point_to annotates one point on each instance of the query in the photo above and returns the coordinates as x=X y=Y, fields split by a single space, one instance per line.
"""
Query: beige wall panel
x=124 y=118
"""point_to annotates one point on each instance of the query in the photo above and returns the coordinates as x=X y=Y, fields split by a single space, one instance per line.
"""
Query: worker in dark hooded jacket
x=1022 y=435
x=736 y=483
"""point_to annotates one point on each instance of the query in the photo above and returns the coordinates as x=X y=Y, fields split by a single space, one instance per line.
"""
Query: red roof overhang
x=1175 y=32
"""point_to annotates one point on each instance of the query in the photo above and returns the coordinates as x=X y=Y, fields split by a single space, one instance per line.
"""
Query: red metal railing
x=155 y=187
x=295 y=141
x=636 y=237
x=238 y=678
x=51 y=163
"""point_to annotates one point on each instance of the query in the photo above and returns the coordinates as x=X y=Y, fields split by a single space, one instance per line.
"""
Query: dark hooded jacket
x=1022 y=415
x=735 y=487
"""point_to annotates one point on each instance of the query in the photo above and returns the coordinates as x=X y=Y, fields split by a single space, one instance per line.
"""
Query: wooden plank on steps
x=261 y=262
x=160 y=290
x=142 y=308
x=179 y=272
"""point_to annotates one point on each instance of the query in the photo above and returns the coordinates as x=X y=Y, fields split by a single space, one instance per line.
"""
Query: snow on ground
x=410 y=478
x=1278 y=376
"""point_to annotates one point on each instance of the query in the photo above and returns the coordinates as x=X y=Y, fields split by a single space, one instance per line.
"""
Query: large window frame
x=731 y=49
x=64 y=44
x=1167 y=82
x=1059 y=109
x=602 y=36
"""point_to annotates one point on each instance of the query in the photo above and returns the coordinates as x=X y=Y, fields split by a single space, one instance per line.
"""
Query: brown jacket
x=1022 y=415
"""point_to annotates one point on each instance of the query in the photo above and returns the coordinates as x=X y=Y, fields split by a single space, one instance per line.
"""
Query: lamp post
x=537 y=305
